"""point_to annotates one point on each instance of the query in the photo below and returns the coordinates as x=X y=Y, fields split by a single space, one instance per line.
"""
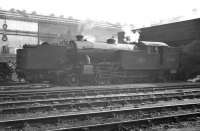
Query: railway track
x=22 y=86
x=27 y=95
x=137 y=125
x=92 y=103
x=96 y=101
x=124 y=96
x=96 y=119
x=96 y=108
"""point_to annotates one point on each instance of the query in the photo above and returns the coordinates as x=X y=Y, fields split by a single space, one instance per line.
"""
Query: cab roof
x=151 y=43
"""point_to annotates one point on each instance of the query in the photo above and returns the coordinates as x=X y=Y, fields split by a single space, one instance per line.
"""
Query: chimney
x=79 y=37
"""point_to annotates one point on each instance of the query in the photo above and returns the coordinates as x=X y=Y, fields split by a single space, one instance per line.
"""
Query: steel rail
x=109 y=87
x=119 y=125
x=68 y=102
x=19 y=123
x=83 y=92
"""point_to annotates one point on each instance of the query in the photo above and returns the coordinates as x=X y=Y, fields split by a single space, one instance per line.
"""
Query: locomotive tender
x=83 y=62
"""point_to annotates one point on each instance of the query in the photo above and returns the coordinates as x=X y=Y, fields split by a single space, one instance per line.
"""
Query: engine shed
x=175 y=34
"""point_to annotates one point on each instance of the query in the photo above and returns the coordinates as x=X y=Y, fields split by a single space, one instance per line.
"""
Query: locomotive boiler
x=83 y=62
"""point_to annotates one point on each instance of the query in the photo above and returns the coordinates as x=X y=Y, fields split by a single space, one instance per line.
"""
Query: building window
x=5 y=49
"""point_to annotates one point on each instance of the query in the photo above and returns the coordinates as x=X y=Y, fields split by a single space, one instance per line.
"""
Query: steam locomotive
x=80 y=62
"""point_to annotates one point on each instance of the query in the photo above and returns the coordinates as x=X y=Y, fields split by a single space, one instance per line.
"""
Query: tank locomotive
x=84 y=62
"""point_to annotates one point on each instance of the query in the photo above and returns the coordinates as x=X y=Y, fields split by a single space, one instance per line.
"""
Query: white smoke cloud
x=90 y=38
x=129 y=35
x=85 y=28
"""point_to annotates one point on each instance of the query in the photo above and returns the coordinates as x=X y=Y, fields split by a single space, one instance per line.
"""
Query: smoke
x=130 y=36
x=86 y=29
x=89 y=38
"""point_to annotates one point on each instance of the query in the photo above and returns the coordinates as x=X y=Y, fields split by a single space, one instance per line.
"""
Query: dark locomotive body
x=83 y=62
x=44 y=62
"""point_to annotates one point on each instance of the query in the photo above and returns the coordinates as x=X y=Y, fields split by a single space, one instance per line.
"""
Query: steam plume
x=85 y=29
x=130 y=36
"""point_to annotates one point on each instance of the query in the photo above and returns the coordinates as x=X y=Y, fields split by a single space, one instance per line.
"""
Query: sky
x=135 y=12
